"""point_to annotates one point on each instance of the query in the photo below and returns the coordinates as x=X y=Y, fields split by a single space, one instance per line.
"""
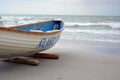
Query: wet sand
x=79 y=60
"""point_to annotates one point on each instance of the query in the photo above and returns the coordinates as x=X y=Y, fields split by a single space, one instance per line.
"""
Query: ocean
x=88 y=28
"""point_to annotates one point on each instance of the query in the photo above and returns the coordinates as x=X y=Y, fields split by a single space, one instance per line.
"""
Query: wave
x=17 y=20
x=108 y=24
x=93 y=31
x=14 y=18
x=98 y=40
x=30 y=19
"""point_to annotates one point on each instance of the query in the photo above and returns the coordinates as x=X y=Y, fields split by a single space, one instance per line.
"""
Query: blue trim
x=48 y=26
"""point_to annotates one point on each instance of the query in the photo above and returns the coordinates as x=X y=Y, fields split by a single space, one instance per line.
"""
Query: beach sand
x=78 y=60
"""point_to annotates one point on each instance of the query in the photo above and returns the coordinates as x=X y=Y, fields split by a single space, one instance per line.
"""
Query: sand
x=79 y=60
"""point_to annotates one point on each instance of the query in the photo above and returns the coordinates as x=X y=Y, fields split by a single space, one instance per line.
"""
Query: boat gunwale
x=11 y=29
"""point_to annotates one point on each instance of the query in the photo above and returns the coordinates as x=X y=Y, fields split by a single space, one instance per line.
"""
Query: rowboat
x=30 y=38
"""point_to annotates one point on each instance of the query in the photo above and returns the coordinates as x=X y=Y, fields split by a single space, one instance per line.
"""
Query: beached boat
x=30 y=38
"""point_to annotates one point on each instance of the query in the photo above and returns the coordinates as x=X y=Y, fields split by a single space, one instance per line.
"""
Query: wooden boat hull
x=17 y=42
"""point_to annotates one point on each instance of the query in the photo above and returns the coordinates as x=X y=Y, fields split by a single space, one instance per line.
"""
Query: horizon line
x=57 y=14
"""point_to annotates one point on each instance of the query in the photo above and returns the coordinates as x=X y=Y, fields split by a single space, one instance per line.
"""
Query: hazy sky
x=60 y=7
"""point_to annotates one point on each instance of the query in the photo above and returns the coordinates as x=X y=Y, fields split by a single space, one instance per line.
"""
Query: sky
x=60 y=7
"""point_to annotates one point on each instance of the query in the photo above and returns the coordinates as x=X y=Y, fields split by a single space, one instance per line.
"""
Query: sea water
x=89 y=28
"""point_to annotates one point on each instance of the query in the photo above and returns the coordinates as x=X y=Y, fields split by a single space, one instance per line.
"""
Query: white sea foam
x=13 y=18
x=86 y=39
x=110 y=24
x=92 y=31
x=10 y=21
x=78 y=37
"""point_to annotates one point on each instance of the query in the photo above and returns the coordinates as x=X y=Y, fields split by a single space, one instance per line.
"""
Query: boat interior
x=41 y=26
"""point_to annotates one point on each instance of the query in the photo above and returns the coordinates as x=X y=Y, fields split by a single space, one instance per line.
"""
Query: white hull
x=12 y=43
